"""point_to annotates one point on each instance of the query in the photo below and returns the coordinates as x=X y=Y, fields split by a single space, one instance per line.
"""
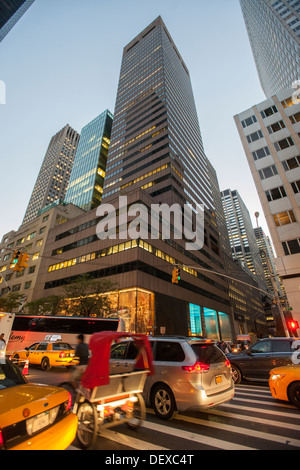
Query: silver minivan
x=189 y=373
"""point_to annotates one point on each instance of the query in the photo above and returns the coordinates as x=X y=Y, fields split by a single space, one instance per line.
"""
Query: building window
x=284 y=144
x=261 y=153
x=247 y=122
x=31 y=235
x=276 y=127
x=268 y=112
x=284 y=218
x=35 y=256
x=291 y=163
x=288 y=102
x=276 y=193
x=291 y=247
x=295 y=118
x=16 y=288
x=296 y=186
x=255 y=136
x=268 y=172
x=27 y=285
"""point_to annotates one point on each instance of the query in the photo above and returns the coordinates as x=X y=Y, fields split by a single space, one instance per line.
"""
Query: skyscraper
x=10 y=13
x=156 y=142
x=86 y=181
x=274 y=32
x=241 y=234
x=53 y=178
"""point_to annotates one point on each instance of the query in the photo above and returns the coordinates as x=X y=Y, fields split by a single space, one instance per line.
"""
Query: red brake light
x=62 y=354
x=227 y=363
x=68 y=404
x=198 y=367
x=1 y=440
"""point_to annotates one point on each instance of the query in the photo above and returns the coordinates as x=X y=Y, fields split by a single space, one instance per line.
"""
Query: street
x=252 y=420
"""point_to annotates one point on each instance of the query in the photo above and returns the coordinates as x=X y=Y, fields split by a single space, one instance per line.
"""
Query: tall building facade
x=241 y=234
x=270 y=133
x=53 y=177
x=155 y=156
x=10 y=13
x=273 y=28
x=85 y=186
x=156 y=142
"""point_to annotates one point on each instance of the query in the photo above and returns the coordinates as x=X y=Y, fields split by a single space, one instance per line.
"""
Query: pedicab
x=104 y=400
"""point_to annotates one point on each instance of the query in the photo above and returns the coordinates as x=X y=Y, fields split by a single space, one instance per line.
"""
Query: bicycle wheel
x=139 y=413
x=87 y=424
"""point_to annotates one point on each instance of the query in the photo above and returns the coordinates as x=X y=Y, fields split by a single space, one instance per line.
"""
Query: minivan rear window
x=169 y=351
x=208 y=353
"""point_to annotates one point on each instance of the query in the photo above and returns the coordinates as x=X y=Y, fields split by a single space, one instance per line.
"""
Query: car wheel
x=163 y=401
x=294 y=394
x=236 y=374
x=87 y=429
x=45 y=364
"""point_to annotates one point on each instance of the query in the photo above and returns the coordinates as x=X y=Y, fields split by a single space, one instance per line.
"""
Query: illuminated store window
x=195 y=319
x=211 y=323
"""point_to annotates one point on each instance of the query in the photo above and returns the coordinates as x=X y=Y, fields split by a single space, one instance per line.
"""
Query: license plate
x=38 y=422
x=218 y=379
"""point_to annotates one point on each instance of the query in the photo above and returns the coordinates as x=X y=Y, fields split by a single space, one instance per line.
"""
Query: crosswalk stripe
x=210 y=441
x=128 y=441
x=238 y=393
x=260 y=402
x=267 y=422
x=239 y=430
x=252 y=389
x=260 y=410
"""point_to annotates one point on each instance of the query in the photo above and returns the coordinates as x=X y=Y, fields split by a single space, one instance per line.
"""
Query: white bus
x=6 y=323
x=29 y=329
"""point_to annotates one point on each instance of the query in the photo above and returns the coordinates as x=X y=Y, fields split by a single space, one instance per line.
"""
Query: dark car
x=256 y=362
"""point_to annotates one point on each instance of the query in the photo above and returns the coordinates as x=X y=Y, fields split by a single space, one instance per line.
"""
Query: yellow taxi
x=33 y=416
x=48 y=354
x=284 y=383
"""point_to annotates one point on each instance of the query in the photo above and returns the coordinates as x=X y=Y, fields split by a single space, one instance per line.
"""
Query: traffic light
x=16 y=260
x=293 y=325
x=23 y=263
x=175 y=275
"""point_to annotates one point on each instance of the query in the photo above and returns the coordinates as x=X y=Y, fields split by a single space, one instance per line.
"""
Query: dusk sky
x=61 y=64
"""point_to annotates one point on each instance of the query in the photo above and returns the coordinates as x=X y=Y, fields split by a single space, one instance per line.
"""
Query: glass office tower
x=86 y=181
x=273 y=28
x=156 y=142
x=10 y=13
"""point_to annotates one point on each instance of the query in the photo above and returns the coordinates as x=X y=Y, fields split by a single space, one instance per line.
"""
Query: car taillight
x=62 y=354
x=227 y=363
x=197 y=367
x=1 y=439
x=68 y=404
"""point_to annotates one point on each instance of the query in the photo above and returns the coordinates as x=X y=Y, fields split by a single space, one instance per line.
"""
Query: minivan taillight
x=198 y=367
x=1 y=439
x=227 y=363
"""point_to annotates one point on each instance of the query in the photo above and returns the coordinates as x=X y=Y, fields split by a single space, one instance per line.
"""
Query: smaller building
x=270 y=132
x=30 y=238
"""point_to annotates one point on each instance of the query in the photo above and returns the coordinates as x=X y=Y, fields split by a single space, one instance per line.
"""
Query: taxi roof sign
x=52 y=338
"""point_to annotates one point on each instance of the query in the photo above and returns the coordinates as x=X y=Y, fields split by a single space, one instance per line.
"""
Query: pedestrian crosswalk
x=252 y=420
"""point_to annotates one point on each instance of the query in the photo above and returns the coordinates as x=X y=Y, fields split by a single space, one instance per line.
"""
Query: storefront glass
x=225 y=326
x=211 y=324
x=195 y=320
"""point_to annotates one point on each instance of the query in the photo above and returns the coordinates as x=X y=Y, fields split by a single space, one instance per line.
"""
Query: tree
x=11 y=302
x=87 y=296
x=51 y=305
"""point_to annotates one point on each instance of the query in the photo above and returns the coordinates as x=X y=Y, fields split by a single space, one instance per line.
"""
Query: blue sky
x=61 y=65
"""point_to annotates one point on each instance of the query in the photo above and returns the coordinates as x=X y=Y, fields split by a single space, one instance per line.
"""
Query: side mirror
x=26 y=349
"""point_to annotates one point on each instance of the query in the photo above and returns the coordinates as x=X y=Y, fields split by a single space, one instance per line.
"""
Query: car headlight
x=277 y=376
